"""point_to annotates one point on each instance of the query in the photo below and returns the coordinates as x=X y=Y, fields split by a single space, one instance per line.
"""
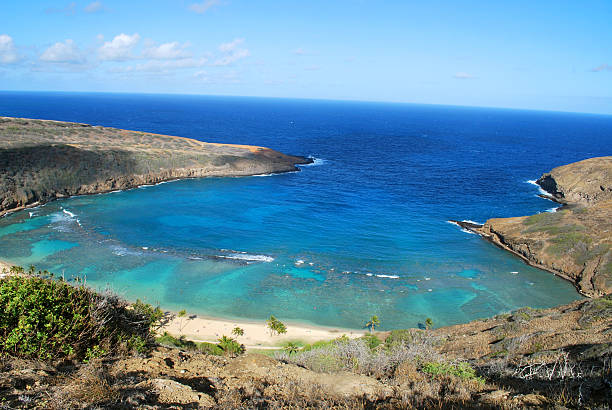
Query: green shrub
x=325 y=343
x=153 y=315
x=44 y=318
x=210 y=348
x=400 y=336
x=371 y=340
x=462 y=370
x=181 y=343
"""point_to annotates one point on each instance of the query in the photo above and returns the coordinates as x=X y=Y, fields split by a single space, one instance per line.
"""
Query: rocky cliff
x=576 y=241
x=43 y=160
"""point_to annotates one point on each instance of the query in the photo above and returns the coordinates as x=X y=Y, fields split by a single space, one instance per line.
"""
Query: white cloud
x=156 y=66
x=8 y=52
x=66 y=52
x=299 y=51
x=233 y=52
x=231 y=46
x=204 y=6
x=119 y=49
x=603 y=67
x=312 y=68
x=230 y=77
x=463 y=76
x=167 y=51
x=94 y=7
x=68 y=10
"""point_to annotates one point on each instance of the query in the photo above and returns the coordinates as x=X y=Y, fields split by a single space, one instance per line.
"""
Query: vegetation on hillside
x=83 y=349
x=47 y=318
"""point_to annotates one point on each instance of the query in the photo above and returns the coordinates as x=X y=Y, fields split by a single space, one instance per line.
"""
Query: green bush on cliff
x=45 y=318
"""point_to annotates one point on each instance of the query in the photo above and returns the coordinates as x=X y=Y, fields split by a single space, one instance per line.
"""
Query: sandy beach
x=256 y=335
x=4 y=267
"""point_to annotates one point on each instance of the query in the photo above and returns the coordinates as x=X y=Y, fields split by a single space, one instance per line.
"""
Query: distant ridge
x=41 y=160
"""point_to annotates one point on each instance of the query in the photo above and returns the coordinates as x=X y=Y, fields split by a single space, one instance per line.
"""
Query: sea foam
x=248 y=257
x=315 y=162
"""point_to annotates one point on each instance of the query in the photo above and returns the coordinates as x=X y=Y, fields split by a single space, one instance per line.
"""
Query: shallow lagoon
x=363 y=232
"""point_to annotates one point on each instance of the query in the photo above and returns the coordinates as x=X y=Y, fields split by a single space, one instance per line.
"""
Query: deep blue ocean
x=363 y=231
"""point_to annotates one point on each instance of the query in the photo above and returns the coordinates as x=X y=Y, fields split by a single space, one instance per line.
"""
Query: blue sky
x=551 y=55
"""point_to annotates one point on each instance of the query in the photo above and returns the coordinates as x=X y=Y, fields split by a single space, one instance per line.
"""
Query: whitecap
x=552 y=210
x=467 y=231
x=471 y=222
x=31 y=214
x=67 y=212
x=247 y=257
x=388 y=276
x=145 y=247
x=429 y=290
x=514 y=272
x=540 y=190
x=368 y=274
x=315 y=162
x=121 y=251
x=426 y=278
x=299 y=262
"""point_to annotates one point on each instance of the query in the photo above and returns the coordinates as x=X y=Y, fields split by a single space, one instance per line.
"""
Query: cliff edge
x=576 y=241
x=42 y=160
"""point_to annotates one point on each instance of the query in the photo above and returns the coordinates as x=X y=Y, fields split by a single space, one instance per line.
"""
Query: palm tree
x=230 y=346
x=181 y=316
x=291 y=347
x=374 y=321
x=275 y=326
x=238 y=331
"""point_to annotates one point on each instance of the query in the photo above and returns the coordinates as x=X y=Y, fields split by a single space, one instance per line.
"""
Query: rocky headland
x=575 y=242
x=43 y=160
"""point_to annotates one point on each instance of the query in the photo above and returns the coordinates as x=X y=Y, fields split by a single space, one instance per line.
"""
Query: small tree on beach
x=238 y=331
x=373 y=322
x=428 y=323
x=181 y=315
x=275 y=326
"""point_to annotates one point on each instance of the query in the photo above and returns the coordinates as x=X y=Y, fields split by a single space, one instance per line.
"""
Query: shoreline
x=256 y=336
x=201 y=328
x=6 y=212
x=494 y=239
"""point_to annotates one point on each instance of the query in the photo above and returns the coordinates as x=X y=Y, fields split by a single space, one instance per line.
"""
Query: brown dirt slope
x=41 y=160
x=576 y=241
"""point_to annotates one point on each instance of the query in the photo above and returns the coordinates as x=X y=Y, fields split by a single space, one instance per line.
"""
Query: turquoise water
x=364 y=231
